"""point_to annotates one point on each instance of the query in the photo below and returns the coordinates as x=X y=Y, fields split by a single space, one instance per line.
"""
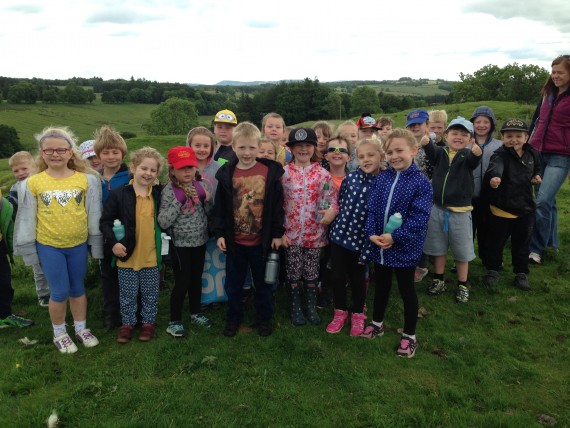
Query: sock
x=438 y=276
x=58 y=329
x=79 y=325
x=409 y=336
x=463 y=283
x=378 y=324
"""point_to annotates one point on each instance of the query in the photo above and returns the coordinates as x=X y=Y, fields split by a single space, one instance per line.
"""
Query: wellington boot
x=297 y=317
x=312 y=314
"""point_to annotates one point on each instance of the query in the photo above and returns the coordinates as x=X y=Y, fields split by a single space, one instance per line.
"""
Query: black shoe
x=231 y=330
x=112 y=321
x=264 y=329
x=521 y=282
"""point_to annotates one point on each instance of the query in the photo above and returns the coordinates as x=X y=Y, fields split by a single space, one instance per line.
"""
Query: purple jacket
x=552 y=132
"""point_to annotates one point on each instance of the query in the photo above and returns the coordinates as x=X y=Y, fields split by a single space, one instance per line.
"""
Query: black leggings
x=345 y=266
x=383 y=283
x=187 y=279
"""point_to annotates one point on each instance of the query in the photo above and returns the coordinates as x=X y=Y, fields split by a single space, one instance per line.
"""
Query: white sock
x=79 y=325
x=411 y=336
x=378 y=324
x=58 y=329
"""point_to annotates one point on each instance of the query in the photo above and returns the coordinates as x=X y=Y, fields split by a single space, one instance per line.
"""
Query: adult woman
x=551 y=137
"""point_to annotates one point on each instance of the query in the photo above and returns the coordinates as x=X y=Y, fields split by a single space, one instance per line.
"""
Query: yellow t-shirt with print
x=62 y=219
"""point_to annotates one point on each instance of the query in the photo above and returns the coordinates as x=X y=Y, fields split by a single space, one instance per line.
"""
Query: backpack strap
x=200 y=191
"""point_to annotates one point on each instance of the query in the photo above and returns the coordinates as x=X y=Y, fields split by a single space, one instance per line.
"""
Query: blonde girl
x=273 y=127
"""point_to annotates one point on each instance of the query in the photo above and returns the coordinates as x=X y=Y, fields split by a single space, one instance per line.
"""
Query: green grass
x=500 y=360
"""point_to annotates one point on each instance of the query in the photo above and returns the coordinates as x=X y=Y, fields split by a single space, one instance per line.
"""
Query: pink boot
x=338 y=321
x=357 y=324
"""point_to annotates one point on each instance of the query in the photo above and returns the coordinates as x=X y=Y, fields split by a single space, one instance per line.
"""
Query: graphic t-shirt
x=62 y=219
x=249 y=194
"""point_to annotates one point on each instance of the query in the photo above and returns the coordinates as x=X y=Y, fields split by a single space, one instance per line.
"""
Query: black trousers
x=345 y=266
x=188 y=268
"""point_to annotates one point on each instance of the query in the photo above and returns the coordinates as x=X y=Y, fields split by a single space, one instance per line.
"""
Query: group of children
x=308 y=192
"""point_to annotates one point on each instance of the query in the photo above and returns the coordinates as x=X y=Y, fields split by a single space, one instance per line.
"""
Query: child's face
x=202 y=146
x=399 y=154
x=437 y=128
x=336 y=157
x=321 y=141
x=366 y=133
x=350 y=133
x=418 y=129
x=384 y=131
x=246 y=150
x=369 y=158
x=111 y=158
x=303 y=153
x=185 y=175
x=482 y=126
x=21 y=170
x=267 y=151
x=274 y=129
x=224 y=132
x=95 y=162
x=458 y=139
x=145 y=173
x=56 y=160
x=515 y=139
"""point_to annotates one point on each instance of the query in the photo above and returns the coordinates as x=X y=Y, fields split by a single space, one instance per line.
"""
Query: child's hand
x=495 y=182
x=221 y=244
x=475 y=148
x=328 y=216
x=425 y=140
x=276 y=243
x=386 y=241
x=537 y=180
x=208 y=195
x=375 y=240
x=119 y=250
x=285 y=241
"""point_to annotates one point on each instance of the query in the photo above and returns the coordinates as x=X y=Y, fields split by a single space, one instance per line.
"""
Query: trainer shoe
x=231 y=329
x=176 y=329
x=372 y=330
x=462 y=295
x=43 y=301
x=420 y=273
x=535 y=258
x=357 y=324
x=15 y=321
x=491 y=279
x=407 y=347
x=64 y=344
x=436 y=287
x=87 y=338
x=338 y=321
x=521 y=282
x=201 y=320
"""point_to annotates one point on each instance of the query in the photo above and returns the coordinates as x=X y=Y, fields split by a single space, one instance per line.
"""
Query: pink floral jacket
x=303 y=189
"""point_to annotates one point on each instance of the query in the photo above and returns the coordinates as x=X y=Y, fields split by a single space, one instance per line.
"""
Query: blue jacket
x=409 y=193
x=121 y=177
x=347 y=230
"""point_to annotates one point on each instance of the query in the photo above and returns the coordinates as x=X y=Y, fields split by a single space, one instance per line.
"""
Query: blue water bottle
x=394 y=222
x=118 y=229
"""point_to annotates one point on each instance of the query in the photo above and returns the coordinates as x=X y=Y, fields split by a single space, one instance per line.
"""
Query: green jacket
x=7 y=225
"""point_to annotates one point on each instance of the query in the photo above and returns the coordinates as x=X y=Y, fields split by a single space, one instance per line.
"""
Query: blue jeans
x=554 y=170
x=238 y=263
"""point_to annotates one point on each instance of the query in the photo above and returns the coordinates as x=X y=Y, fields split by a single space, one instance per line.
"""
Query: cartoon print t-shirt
x=62 y=219
x=249 y=194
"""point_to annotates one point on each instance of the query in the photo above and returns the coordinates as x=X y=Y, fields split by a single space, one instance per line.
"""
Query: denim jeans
x=238 y=263
x=554 y=170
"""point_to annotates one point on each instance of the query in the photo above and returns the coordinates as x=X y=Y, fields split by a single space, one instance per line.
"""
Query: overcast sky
x=192 y=41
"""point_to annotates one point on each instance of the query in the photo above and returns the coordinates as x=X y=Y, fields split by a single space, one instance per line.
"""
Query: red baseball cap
x=181 y=156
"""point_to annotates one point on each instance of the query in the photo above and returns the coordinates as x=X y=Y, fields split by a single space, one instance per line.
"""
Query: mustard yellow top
x=61 y=215
x=501 y=213
x=144 y=254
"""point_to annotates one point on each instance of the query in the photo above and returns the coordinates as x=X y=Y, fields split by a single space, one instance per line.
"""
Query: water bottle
x=394 y=222
x=118 y=230
x=272 y=268
x=165 y=241
x=325 y=202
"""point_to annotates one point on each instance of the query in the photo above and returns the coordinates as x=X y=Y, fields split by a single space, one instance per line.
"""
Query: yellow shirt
x=144 y=254
x=62 y=219
x=501 y=213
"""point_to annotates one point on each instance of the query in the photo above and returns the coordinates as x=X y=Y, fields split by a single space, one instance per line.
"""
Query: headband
x=56 y=136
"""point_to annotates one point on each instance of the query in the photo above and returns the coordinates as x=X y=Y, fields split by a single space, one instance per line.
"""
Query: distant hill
x=236 y=83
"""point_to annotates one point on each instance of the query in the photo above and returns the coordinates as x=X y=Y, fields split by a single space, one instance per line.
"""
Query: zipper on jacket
x=388 y=204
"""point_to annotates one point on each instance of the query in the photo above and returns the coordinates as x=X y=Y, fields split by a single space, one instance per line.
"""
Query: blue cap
x=460 y=122
x=417 y=116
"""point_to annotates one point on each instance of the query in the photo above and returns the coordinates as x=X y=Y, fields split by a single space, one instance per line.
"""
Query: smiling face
x=145 y=173
x=437 y=128
x=369 y=158
x=303 y=152
x=111 y=158
x=246 y=150
x=458 y=138
x=202 y=146
x=514 y=139
x=56 y=160
x=321 y=141
x=274 y=130
x=560 y=77
x=335 y=157
x=21 y=170
x=418 y=130
x=482 y=126
x=267 y=150
x=399 y=153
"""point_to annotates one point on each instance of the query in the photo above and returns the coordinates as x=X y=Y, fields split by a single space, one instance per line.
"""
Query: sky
x=205 y=42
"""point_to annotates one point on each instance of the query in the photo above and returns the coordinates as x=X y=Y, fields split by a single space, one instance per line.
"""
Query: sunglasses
x=59 y=151
x=337 y=150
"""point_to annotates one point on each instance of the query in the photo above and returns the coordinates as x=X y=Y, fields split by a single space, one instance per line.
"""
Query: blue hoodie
x=121 y=177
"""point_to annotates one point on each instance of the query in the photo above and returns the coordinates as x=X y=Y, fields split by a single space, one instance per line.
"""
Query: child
x=303 y=185
x=248 y=223
x=349 y=131
x=7 y=319
x=483 y=120
x=417 y=122
x=224 y=123
x=111 y=149
x=403 y=189
x=512 y=171
x=139 y=252
x=88 y=153
x=267 y=149
x=367 y=126
x=324 y=133
x=57 y=223
x=385 y=126
x=337 y=156
x=437 y=125
x=450 y=220
x=22 y=165
x=183 y=206
x=201 y=141
x=348 y=237
x=273 y=127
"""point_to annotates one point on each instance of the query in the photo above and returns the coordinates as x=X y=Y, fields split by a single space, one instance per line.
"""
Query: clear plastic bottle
x=394 y=222
x=325 y=202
